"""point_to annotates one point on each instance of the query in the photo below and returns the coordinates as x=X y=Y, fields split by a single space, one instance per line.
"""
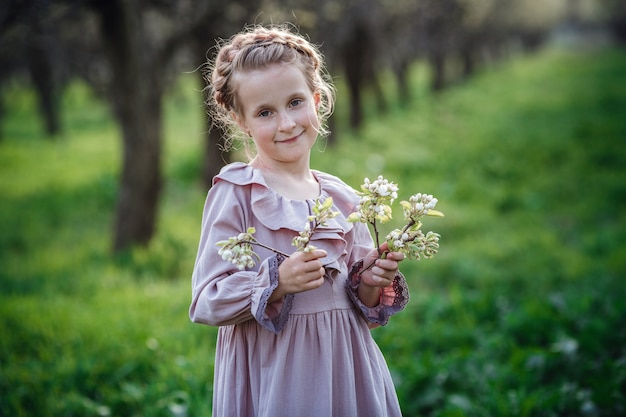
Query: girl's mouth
x=290 y=140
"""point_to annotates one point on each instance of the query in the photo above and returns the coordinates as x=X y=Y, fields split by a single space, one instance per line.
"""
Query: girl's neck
x=292 y=182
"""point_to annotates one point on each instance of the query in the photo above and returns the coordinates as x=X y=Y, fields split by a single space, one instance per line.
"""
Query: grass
x=521 y=313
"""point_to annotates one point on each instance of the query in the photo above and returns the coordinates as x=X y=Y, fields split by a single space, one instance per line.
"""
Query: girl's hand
x=381 y=274
x=383 y=271
x=302 y=271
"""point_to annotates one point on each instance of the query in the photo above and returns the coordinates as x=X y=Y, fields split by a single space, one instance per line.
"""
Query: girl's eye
x=264 y=113
x=295 y=102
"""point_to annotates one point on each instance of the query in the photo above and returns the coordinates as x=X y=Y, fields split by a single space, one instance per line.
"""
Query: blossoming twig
x=238 y=249
x=410 y=240
x=321 y=213
x=375 y=203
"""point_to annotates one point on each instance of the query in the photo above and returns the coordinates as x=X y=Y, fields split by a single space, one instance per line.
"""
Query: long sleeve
x=393 y=298
x=222 y=294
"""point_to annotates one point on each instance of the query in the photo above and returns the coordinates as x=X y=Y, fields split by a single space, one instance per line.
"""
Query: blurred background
x=511 y=112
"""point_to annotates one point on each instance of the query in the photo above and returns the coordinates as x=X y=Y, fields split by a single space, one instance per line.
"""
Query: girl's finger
x=396 y=256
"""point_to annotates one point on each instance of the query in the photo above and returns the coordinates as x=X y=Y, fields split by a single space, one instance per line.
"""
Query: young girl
x=294 y=336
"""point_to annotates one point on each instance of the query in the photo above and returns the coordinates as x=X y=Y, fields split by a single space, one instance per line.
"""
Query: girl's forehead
x=269 y=70
x=273 y=77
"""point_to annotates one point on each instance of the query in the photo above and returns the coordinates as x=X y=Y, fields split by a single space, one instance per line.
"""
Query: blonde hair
x=255 y=48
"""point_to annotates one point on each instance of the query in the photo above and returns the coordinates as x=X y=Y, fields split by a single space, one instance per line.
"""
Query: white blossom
x=375 y=201
x=322 y=212
x=374 y=207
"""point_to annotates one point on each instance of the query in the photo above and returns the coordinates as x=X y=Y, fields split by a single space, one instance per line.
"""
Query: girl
x=294 y=336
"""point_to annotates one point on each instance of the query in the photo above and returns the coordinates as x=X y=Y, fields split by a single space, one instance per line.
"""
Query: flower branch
x=375 y=206
x=322 y=212
x=238 y=249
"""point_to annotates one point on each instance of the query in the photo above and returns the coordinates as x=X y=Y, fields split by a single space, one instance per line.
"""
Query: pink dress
x=311 y=353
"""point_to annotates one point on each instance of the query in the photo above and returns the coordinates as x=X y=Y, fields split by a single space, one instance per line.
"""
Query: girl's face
x=279 y=111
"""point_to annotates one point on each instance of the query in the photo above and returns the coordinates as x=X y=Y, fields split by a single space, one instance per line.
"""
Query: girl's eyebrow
x=297 y=94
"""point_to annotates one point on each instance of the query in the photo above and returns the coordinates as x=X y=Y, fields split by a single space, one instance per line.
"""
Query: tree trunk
x=202 y=38
x=141 y=181
x=214 y=155
x=353 y=61
x=41 y=72
x=401 y=71
x=437 y=64
x=137 y=98
x=469 y=61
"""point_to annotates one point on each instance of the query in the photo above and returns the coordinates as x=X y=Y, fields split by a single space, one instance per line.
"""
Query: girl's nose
x=286 y=122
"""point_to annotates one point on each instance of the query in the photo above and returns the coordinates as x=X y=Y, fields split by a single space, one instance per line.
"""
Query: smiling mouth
x=290 y=140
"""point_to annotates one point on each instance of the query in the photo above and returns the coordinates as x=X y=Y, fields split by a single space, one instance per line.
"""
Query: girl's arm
x=381 y=290
x=377 y=274
x=221 y=293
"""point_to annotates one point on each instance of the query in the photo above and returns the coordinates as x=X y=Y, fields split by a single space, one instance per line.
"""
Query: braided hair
x=255 y=48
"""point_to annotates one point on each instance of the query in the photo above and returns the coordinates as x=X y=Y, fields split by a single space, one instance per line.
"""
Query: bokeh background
x=511 y=112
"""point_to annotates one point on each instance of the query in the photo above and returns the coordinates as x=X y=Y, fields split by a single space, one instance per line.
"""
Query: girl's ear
x=317 y=99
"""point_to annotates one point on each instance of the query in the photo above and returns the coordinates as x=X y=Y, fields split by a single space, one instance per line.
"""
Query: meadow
x=521 y=313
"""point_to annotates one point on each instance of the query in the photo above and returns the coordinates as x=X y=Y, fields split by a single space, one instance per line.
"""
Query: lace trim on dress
x=393 y=298
x=276 y=322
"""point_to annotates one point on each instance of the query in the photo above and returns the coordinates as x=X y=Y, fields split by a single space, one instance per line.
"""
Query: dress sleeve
x=221 y=293
x=271 y=316
x=393 y=298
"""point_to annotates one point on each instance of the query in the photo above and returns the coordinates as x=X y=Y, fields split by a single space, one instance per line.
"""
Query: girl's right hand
x=302 y=271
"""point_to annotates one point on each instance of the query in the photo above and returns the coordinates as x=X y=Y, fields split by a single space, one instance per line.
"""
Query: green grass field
x=522 y=312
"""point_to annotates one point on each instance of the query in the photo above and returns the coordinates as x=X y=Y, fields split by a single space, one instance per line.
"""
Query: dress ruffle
x=277 y=212
x=269 y=206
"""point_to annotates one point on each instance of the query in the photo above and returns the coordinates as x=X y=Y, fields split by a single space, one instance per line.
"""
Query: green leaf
x=435 y=213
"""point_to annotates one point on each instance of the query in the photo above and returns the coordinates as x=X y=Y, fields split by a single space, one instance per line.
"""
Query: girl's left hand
x=384 y=271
